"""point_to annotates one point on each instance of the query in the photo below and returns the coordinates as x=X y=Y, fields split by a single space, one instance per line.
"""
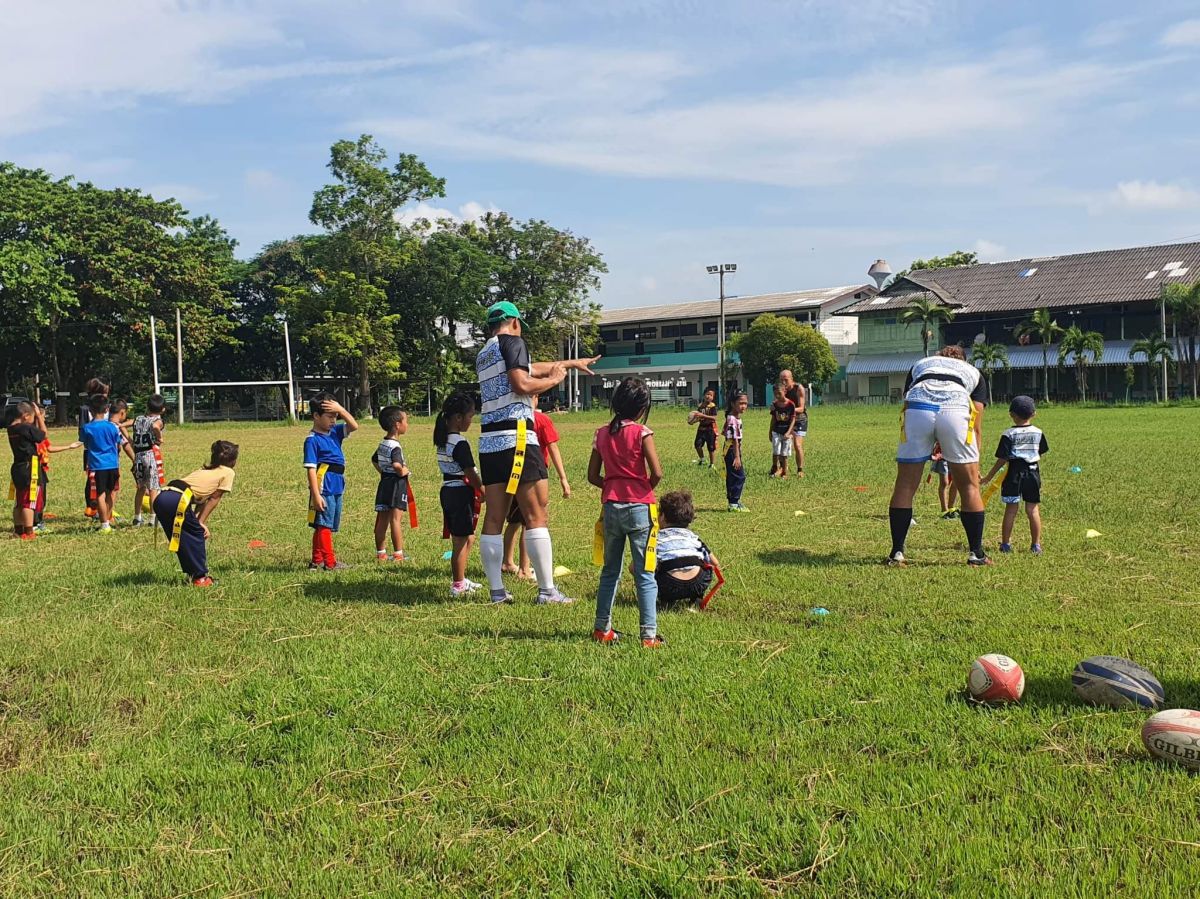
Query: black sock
x=900 y=520
x=972 y=523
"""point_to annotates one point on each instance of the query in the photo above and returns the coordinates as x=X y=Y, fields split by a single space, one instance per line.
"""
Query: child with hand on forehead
x=325 y=465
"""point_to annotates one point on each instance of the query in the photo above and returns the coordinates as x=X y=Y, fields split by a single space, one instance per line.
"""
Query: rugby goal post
x=180 y=384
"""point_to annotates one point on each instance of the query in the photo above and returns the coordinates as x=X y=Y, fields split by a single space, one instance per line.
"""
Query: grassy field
x=287 y=733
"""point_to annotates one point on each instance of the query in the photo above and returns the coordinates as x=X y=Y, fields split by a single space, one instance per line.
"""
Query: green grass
x=291 y=734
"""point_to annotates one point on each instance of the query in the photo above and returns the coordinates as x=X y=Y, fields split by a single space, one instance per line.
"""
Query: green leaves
x=773 y=344
x=928 y=311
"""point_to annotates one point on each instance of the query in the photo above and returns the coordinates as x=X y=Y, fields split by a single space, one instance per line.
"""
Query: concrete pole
x=154 y=353
x=1163 y=312
x=179 y=362
x=287 y=350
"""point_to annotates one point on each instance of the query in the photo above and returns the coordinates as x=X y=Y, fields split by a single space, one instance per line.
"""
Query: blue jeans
x=632 y=521
x=735 y=478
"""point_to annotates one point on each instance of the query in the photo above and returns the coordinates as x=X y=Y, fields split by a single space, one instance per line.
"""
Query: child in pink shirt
x=624 y=450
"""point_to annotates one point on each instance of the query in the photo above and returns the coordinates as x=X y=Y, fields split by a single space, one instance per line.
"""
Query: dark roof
x=1080 y=279
x=788 y=301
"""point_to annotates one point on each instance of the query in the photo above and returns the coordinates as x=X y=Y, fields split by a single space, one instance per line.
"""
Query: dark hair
x=676 y=508
x=630 y=402
x=388 y=416
x=156 y=404
x=457 y=403
x=711 y=390
x=223 y=453
x=116 y=406
x=734 y=396
x=97 y=403
x=317 y=401
x=24 y=407
x=952 y=352
x=97 y=385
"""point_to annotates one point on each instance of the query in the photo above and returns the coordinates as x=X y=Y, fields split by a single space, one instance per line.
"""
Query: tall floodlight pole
x=287 y=349
x=154 y=353
x=719 y=271
x=179 y=362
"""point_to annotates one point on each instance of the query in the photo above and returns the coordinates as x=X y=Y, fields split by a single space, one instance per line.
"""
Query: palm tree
x=1155 y=348
x=1041 y=325
x=988 y=357
x=1184 y=302
x=927 y=311
x=1078 y=343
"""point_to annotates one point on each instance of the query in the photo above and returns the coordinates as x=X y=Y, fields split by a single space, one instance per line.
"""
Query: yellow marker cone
x=798 y=513
x=562 y=571
x=1092 y=533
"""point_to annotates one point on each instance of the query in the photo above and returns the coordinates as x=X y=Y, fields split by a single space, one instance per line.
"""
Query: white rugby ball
x=1116 y=683
x=995 y=678
x=693 y=418
x=1174 y=736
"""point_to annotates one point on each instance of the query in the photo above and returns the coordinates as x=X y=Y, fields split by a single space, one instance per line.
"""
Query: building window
x=710 y=327
x=679 y=346
x=733 y=327
x=639 y=348
x=878 y=386
x=609 y=334
x=640 y=333
x=684 y=389
x=688 y=330
x=670 y=331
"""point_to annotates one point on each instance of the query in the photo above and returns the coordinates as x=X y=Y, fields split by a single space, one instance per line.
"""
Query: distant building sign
x=652 y=382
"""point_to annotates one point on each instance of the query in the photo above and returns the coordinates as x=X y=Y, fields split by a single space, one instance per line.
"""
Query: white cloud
x=989 y=251
x=263 y=181
x=1153 y=195
x=1110 y=33
x=468 y=212
x=1182 y=34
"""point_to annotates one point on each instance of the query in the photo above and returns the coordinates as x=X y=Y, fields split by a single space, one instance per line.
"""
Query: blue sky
x=800 y=139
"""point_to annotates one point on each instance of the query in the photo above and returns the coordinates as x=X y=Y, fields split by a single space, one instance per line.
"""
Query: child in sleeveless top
x=624 y=451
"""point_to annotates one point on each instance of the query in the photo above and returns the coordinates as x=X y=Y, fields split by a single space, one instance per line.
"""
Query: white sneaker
x=464 y=588
x=554 y=597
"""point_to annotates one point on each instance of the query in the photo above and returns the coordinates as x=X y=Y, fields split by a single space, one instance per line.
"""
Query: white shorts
x=924 y=424
x=781 y=445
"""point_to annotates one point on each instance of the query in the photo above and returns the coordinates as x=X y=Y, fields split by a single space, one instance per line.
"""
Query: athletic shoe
x=554 y=597
x=28 y=536
x=608 y=636
x=337 y=566
x=896 y=560
x=1036 y=549
x=737 y=507
x=136 y=522
x=464 y=588
x=952 y=515
x=978 y=561
x=399 y=557
x=205 y=581
x=315 y=566
x=500 y=597
x=1005 y=547
x=106 y=528
x=90 y=513
x=699 y=462
x=381 y=557
x=653 y=642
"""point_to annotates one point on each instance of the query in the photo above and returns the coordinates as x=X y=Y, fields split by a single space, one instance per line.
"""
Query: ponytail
x=457 y=403
x=630 y=402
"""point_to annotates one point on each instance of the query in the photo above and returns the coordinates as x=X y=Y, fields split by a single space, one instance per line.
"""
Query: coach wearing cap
x=510 y=463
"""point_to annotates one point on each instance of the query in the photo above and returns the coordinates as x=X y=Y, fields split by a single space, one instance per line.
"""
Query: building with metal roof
x=1113 y=292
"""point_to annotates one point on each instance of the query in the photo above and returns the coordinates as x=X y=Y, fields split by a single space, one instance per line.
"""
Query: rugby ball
x=1116 y=683
x=693 y=418
x=1174 y=736
x=995 y=678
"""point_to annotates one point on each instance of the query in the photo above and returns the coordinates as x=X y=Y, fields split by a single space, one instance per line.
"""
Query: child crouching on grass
x=461 y=488
x=183 y=508
x=685 y=564
x=624 y=451
x=391 y=496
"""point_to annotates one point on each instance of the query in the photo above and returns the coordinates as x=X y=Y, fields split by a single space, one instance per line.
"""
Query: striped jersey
x=733 y=428
x=454 y=458
x=1023 y=444
x=945 y=381
x=680 y=543
x=502 y=407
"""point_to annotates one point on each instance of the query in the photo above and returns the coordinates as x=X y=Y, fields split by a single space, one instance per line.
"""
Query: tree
x=988 y=357
x=927 y=311
x=1130 y=380
x=1155 y=348
x=958 y=257
x=1042 y=326
x=773 y=344
x=1184 y=302
x=359 y=212
x=1079 y=343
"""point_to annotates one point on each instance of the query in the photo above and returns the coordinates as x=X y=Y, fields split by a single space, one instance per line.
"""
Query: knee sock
x=327 y=545
x=972 y=523
x=900 y=520
x=491 y=553
x=318 y=548
x=541 y=555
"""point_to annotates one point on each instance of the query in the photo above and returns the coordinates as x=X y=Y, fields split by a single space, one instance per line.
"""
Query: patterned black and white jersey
x=944 y=381
x=1023 y=444
x=454 y=458
x=502 y=407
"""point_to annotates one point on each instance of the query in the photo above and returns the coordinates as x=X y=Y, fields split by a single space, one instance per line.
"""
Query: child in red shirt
x=624 y=451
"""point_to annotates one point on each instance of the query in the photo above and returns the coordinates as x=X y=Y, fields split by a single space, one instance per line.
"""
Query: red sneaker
x=653 y=642
x=608 y=636
x=28 y=536
x=205 y=581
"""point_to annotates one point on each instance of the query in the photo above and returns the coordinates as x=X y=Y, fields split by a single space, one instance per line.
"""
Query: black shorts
x=494 y=468
x=672 y=590
x=392 y=493
x=706 y=438
x=108 y=480
x=514 y=513
x=801 y=426
x=1021 y=483
x=458 y=511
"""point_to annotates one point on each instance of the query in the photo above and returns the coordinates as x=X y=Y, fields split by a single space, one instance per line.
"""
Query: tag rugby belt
x=323 y=469
x=651 y=542
x=185 y=503
x=33 y=484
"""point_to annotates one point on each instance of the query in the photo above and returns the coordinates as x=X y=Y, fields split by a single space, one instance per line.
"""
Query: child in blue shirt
x=103 y=442
x=326 y=466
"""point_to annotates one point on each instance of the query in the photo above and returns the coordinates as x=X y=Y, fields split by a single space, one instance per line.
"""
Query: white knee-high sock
x=491 y=553
x=541 y=554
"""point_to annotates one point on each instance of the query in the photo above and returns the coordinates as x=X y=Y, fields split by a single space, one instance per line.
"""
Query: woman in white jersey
x=944 y=401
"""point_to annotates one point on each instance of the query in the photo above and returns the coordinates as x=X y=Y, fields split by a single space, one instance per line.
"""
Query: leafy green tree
x=1079 y=344
x=773 y=344
x=1155 y=348
x=1184 y=302
x=958 y=257
x=1045 y=328
x=928 y=311
x=988 y=357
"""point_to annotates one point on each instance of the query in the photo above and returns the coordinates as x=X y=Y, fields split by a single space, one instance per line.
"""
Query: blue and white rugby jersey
x=945 y=381
x=454 y=458
x=502 y=407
